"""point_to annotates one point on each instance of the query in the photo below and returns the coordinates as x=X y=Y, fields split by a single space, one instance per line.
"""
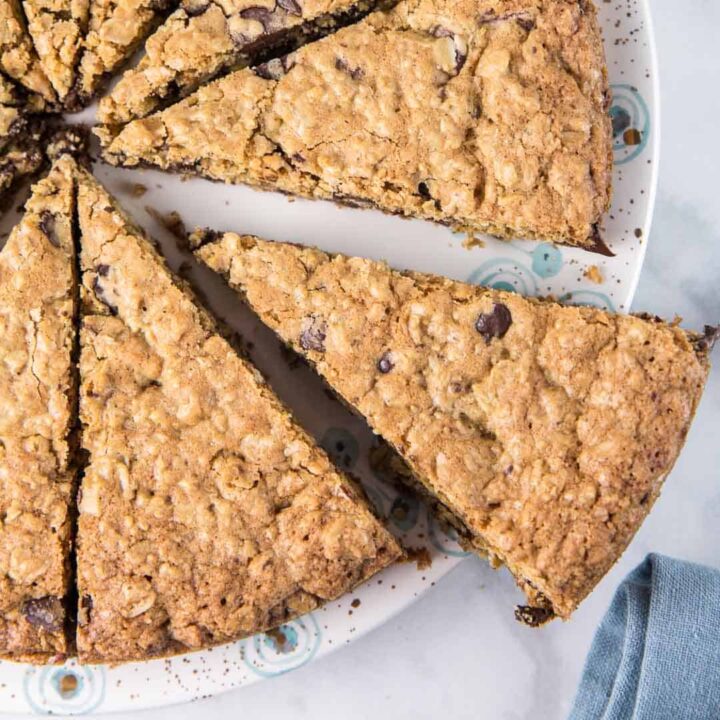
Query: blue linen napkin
x=656 y=654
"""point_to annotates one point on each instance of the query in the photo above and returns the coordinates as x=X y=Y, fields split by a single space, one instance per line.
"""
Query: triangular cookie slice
x=18 y=58
x=542 y=432
x=478 y=114
x=204 y=37
x=20 y=137
x=58 y=29
x=38 y=292
x=206 y=513
x=116 y=30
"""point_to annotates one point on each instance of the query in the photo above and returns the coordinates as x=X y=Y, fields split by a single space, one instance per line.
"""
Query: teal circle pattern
x=405 y=511
x=341 y=446
x=505 y=274
x=287 y=648
x=588 y=297
x=547 y=260
x=445 y=542
x=629 y=110
x=65 y=690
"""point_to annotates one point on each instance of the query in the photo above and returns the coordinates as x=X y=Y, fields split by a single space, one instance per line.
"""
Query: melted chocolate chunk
x=524 y=20
x=290 y=6
x=385 y=363
x=533 y=616
x=313 y=336
x=707 y=341
x=47 y=226
x=596 y=243
x=494 y=324
x=103 y=270
x=99 y=291
x=46 y=613
x=274 y=69
x=261 y=14
x=460 y=57
x=354 y=73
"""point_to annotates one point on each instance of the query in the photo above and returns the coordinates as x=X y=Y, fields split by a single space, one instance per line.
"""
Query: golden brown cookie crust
x=206 y=513
x=116 y=30
x=486 y=115
x=37 y=395
x=18 y=58
x=58 y=28
x=204 y=37
x=545 y=431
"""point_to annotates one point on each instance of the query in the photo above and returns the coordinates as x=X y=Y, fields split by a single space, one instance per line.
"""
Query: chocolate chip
x=385 y=364
x=313 y=336
x=707 y=341
x=290 y=6
x=103 y=270
x=46 y=613
x=596 y=243
x=354 y=73
x=47 y=226
x=533 y=616
x=524 y=20
x=261 y=14
x=84 y=607
x=274 y=69
x=423 y=191
x=494 y=324
x=99 y=291
x=460 y=57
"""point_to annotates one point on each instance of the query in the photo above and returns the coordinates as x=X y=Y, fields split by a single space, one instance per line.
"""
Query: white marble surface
x=458 y=651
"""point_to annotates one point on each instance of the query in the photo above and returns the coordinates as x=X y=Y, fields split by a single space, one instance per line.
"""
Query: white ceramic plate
x=527 y=267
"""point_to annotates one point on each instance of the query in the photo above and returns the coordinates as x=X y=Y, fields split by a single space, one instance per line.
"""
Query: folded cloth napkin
x=656 y=654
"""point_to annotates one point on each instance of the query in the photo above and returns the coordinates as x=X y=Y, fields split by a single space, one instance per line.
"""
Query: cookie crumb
x=472 y=241
x=594 y=275
x=420 y=556
x=171 y=222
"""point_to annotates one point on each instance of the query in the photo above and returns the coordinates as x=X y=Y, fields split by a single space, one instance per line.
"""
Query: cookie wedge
x=204 y=37
x=18 y=58
x=38 y=391
x=541 y=432
x=117 y=28
x=205 y=513
x=58 y=29
x=484 y=115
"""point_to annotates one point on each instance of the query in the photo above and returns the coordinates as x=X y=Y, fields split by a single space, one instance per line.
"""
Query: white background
x=458 y=652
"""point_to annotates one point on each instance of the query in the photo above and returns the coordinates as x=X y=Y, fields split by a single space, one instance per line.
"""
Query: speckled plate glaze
x=528 y=268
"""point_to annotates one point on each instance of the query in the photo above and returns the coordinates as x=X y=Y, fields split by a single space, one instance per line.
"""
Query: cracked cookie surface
x=486 y=115
x=37 y=391
x=58 y=29
x=203 y=37
x=116 y=29
x=206 y=513
x=543 y=431
x=18 y=58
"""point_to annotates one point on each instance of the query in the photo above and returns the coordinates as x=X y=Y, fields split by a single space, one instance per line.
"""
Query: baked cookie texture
x=543 y=433
x=18 y=58
x=58 y=29
x=20 y=137
x=204 y=37
x=38 y=391
x=205 y=512
x=116 y=29
x=486 y=115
